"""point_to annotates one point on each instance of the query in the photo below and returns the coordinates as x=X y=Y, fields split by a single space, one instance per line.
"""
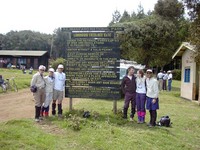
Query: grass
x=106 y=131
x=22 y=80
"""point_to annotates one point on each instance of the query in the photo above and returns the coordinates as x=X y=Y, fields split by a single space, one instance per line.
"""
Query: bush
x=54 y=63
x=177 y=74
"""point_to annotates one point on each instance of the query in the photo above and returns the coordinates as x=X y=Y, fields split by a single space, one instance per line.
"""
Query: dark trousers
x=164 y=84
x=129 y=98
x=153 y=117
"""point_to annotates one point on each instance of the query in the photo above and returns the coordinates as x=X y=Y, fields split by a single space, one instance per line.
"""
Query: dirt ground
x=19 y=105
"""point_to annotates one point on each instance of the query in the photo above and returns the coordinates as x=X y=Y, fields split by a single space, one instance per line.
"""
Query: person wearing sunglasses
x=39 y=95
x=152 y=103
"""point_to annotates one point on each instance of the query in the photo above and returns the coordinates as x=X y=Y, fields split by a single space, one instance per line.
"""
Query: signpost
x=93 y=60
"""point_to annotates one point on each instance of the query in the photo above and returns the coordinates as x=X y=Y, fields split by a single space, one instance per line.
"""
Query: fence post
x=115 y=106
x=70 y=104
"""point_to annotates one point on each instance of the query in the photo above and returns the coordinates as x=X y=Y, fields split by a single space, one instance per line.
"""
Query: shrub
x=54 y=63
x=177 y=74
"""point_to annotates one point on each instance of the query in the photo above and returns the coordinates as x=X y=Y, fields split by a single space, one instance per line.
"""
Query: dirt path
x=18 y=105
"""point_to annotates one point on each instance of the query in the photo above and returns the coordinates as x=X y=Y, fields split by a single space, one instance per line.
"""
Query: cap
x=169 y=71
x=60 y=66
x=41 y=67
x=51 y=70
x=149 y=70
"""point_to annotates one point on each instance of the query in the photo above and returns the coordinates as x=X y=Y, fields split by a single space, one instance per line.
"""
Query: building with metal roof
x=27 y=58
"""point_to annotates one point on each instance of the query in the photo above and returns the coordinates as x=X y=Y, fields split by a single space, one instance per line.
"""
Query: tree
x=194 y=13
x=115 y=17
x=140 y=12
x=169 y=9
x=59 y=43
x=26 y=40
x=150 y=41
x=125 y=17
x=133 y=15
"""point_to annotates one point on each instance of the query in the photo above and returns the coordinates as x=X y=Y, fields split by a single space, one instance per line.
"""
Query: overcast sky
x=46 y=15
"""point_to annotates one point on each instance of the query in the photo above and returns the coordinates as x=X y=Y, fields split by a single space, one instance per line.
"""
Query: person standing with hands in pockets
x=58 y=90
x=152 y=97
x=128 y=86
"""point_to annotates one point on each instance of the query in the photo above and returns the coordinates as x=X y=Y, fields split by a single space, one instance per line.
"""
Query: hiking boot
x=37 y=120
x=60 y=116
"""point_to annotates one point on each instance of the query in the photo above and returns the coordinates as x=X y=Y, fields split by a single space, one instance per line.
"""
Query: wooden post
x=115 y=106
x=70 y=104
x=199 y=88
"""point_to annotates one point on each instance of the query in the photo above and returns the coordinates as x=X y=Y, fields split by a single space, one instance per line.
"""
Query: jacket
x=38 y=81
x=49 y=84
x=128 y=85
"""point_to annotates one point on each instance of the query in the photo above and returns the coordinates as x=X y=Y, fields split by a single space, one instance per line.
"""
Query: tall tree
x=151 y=41
x=115 y=17
x=169 y=9
x=125 y=17
x=59 y=46
x=140 y=12
x=194 y=13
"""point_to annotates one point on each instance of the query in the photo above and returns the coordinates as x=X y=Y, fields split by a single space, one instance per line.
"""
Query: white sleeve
x=156 y=90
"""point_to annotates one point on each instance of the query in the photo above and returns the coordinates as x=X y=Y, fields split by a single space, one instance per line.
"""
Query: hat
x=60 y=66
x=41 y=67
x=149 y=70
x=169 y=71
x=51 y=70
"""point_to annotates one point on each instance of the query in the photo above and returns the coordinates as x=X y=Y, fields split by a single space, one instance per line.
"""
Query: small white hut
x=190 y=71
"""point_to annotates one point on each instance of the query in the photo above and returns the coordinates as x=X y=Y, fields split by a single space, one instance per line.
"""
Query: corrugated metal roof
x=22 y=53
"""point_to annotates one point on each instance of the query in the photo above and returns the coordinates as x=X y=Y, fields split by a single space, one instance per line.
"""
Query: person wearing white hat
x=58 y=90
x=169 y=80
x=39 y=95
x=152 y=103
x=49 y=80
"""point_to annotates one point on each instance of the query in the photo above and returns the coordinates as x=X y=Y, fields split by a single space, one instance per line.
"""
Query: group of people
x=142 y=91
x=49 y=88
x=162 y=78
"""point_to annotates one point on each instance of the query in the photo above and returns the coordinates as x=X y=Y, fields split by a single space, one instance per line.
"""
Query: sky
x=46 y=15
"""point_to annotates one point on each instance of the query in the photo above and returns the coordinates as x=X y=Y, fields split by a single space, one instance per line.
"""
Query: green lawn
x=106 y=131
x=22 y=80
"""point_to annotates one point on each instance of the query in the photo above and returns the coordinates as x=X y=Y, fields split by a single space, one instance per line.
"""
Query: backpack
x=165 y=121
x=86 y=114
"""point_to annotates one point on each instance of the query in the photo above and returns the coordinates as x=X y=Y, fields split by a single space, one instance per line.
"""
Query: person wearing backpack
x=141 y=96
x=152 y=97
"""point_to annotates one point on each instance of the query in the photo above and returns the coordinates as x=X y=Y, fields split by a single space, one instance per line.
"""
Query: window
x=22 y=61
x=187 y=75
